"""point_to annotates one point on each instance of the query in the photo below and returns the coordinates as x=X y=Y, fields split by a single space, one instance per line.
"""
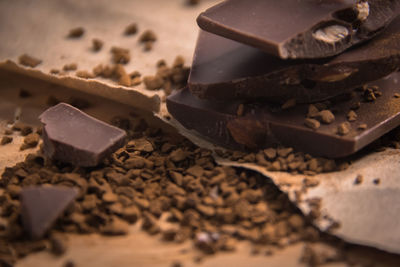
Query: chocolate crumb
x=29 y=61
x=6 y=140
x=312 y=123
x=120 y=55
x=376 y=181
x=343 y=128
x=240 y=110
x=192 y=2
x=76 y=32
x=351 y=116
x=123 y=78
x=30 y=141
x=97 y=44
x=69 y=263
x=131 y=29
x=153 y=82
x=57 y=245
x=362 y=127
x=70 y=67
x=147 y=36
x=54 y=71
x=359 y=179
x=325 y=116
x=176 y=264
x=84 y=74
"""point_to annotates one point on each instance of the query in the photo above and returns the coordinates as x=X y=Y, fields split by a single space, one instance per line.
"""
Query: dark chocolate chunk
x=263 y=125
x=299 y=29
x=42 y=205
x=225 y=69
x=71 y=136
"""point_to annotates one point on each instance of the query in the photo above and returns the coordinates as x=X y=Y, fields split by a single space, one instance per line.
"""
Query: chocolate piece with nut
x=224 y=69
x=299 y=29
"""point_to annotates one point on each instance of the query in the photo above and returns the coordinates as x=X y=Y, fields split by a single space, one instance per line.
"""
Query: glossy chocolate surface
x=225 y=69
x=301 y=28
x=262 y=124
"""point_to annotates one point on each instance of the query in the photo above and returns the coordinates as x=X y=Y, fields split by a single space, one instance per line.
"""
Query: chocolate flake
x=29 y=61
x=41 y=206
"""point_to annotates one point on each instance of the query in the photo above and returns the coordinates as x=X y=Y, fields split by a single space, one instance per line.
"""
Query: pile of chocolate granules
x=156 y=175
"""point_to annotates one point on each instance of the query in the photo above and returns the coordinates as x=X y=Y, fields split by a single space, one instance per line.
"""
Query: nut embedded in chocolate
x=299 y=29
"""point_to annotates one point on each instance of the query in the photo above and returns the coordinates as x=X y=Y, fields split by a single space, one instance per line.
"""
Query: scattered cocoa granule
x=312 y=123
x=376 y=181
x=240 y=110
x=70 y=67
x=289 y=104
x=30 y=141
x=69 y=263
x=325 y=116
x=148 y=46
x=312 y=111
x=123 y=78
x=76 y=32
x=192 y=2
x=176 y=264
x=25 y=129
x=359 y=179
x=58 y=245
x=24 y=93
x=148 y=36
x=84 y=74
x=370 y=93
x=120 y=55
x=6 y=140
x=362 y=126
x=153 y=82
x=97 y=44
x=29 y=61
x=54 y=71
x=131 y=29
x=351 y=116
x=343 y=128
x=396 y=95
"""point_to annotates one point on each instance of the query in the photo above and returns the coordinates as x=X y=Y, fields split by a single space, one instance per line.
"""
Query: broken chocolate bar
x=299 y=29
x=71 y=136
x=42 y=205
x=225 y=69
x=261 y=125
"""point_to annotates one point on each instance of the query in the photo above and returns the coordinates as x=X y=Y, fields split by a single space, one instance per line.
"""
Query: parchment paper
x=367 y=213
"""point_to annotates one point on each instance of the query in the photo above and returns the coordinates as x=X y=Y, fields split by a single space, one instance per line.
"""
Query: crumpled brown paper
x=367 y=213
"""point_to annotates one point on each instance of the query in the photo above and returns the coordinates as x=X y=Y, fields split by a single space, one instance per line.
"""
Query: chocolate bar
x=301 y=28
x=72 y=136
x=260 y=125
x=42 y=205
x=225 y=69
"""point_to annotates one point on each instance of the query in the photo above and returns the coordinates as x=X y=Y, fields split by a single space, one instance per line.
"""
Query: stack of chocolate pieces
x=319 y=76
